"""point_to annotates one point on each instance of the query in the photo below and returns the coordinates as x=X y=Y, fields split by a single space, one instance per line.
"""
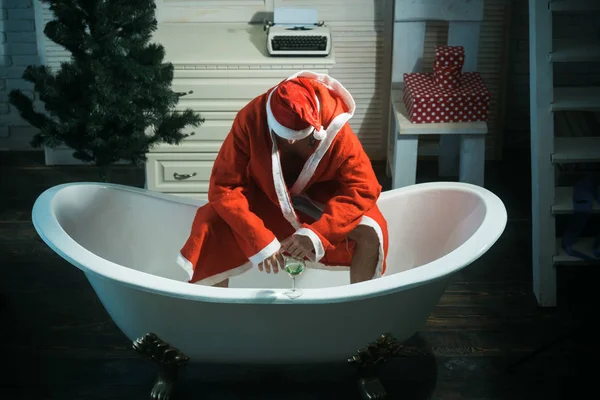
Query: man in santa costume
x=291 y=177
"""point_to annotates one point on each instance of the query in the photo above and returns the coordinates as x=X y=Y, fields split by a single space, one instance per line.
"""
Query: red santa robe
x=250 y=208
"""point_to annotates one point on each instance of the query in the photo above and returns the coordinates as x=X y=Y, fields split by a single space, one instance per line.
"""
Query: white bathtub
x=125 y=240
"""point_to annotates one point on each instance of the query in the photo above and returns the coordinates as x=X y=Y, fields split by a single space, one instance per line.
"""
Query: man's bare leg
x=366 y=254
x=223 y=284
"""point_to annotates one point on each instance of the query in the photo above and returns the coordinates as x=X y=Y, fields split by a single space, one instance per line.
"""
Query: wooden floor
x=59 y=343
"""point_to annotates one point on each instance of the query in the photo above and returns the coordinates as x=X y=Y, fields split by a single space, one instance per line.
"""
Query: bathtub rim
x=485 y=236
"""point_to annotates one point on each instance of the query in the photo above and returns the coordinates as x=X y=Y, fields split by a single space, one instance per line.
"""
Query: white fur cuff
x=317 y=244
x=185 y=264
x=265 y=253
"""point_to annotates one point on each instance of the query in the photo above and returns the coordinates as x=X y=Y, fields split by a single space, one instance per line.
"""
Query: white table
x=462 y=146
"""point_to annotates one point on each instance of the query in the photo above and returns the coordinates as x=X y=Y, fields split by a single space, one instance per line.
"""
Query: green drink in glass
x=294 y=267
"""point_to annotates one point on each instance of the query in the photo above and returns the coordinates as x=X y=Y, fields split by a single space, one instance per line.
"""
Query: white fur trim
x=313 y=161
x=285 y=202
x=218 y=278
x=185 y=264
x=281 y=130
x=268 y=251
x=331 y=131
x=316 y=241
x=367 y=221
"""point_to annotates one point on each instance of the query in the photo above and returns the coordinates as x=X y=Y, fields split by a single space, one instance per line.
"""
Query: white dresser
x=224 y=67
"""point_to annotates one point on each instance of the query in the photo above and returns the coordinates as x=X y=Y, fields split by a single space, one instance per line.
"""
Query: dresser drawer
x=206 y=138
x=225 y=89
x=222 y=89
x=179 y=172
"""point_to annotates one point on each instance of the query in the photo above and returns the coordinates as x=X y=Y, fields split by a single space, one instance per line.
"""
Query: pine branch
x=47 y=128
x=114 y=88
x=68 y=29
x=169 y=130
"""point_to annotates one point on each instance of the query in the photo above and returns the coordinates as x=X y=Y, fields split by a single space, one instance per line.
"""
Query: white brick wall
x=18 y=49
x=564 y=26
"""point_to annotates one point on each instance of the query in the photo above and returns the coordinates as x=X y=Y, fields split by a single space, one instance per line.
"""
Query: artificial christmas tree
x=113 y=100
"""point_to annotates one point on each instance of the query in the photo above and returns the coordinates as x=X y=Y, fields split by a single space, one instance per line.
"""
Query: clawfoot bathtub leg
x=371 y=389
x=169 y=359
x=369 y=360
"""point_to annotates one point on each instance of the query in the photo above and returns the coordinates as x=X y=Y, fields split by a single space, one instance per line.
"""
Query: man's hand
x=275 y=263
x=298 y=246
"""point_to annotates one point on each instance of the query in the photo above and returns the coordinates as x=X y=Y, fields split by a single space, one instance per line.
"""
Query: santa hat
x=293 y=110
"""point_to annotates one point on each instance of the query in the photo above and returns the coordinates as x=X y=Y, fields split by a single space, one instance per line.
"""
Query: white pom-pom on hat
x=320 y=134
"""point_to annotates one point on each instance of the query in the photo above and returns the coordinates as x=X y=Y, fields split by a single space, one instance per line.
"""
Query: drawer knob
x=181 y=177
x=184 y=93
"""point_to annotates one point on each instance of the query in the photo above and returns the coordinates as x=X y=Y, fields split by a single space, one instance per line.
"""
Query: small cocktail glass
x=294 y=267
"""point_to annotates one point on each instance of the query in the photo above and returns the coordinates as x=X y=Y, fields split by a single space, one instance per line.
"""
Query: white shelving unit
x=462 y=144
x=549 y=108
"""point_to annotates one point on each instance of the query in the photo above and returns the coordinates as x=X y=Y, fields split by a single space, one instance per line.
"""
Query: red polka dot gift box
x=449 y=56
x=427 y=102
x=447 y=77
x=448 y=64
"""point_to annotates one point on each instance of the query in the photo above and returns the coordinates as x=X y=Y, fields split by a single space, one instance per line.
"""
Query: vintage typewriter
x=297 y=32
